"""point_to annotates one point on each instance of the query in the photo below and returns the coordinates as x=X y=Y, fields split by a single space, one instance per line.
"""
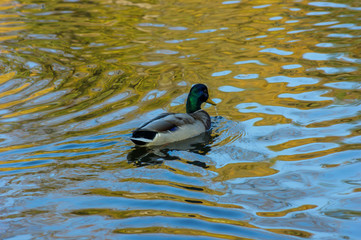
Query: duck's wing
x=167 y=122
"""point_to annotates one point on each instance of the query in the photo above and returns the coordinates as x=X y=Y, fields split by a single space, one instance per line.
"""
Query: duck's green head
x=197 y=95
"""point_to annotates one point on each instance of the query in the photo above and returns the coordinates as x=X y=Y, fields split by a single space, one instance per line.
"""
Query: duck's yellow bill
x=210 y=101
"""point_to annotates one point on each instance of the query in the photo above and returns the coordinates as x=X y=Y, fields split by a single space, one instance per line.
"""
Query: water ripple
x=281 y=162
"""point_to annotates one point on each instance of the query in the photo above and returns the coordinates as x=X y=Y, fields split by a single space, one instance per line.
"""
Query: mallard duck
x=172 y=127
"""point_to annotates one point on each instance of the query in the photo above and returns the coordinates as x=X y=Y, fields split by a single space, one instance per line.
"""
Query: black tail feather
x=138 y=135
x=144 y=134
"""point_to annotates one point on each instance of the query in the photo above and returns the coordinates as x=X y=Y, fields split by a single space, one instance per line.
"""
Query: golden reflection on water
x=76 y=77
x=285 y=212
x=291 y=232
x=159 y=196
x=148 y=213
x=243 y=170
x=174 y=231
x=174 y=184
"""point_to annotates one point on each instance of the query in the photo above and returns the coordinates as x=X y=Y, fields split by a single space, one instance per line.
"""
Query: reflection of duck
x=174 y=127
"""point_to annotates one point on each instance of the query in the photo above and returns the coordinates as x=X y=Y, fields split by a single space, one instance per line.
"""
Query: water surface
x=282 y=162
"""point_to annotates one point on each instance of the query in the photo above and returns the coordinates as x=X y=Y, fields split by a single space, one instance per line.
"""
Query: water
x=282 y=162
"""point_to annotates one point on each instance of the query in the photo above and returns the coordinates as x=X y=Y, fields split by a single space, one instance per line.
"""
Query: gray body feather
x=172 y=127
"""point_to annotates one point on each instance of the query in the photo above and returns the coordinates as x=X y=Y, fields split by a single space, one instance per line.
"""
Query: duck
x=173 y=127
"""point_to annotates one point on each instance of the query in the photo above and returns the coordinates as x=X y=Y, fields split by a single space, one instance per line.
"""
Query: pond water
x=282 y=161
